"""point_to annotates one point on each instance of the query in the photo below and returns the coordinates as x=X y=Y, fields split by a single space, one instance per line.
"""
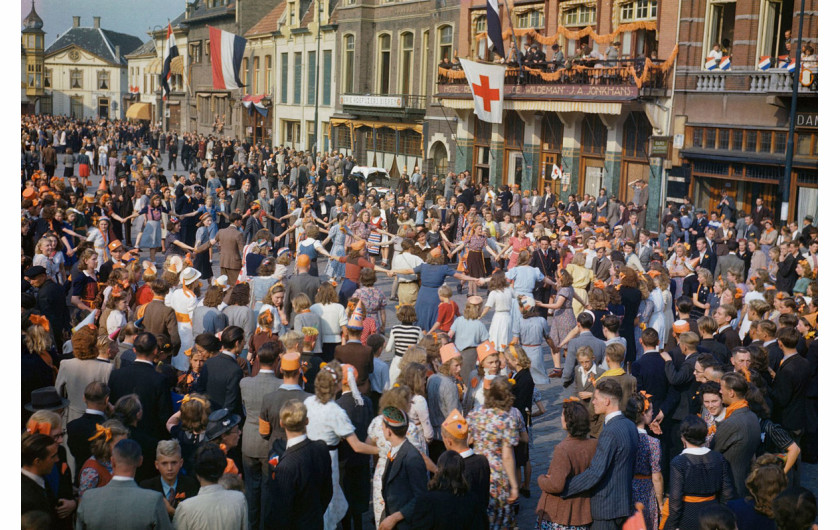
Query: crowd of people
x=206 y=350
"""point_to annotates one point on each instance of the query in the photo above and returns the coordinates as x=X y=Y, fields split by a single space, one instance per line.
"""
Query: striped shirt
x=402 y=337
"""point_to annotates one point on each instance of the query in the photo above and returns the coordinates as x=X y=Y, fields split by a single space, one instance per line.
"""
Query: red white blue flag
x=226 y=52
x=724 y=63
x=711 y=63
x=170 y=51
x=764 y=62
x=494 y=27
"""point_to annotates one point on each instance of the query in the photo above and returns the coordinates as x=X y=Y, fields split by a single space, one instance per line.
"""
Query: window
x=737 y=140
x=326 y=84
x=207 y=48
x=311 y=68
x=580 y=16
x=204 y=109
x=292 y=132
x=310 y=134
x=480 y=24
x=533 y=18
x=752 y=140
x=766 y=144
x=350 y=3
x=780 y=143
x=343 y=136
x=406 y=61
x=775 y=17
x=444 y=43
x=720 y=26
x=384 y=64
x=103 y=80
x=594 y=134
x=723 y=139
x=195 y=52
x=637 y=131
x=298 y=78
x=245 y=79
x=292 y=13
x=424 y=63
x=76 y=79
x=349 y=61
x=709 y=142
x=386 y=140
x=257 y=79
x=284 y=78
x=411 y=143
x=638 y=10
x=48 y=78
x=269 y=79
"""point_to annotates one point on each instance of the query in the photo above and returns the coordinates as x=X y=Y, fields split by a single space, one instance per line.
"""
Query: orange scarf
x=740 y=404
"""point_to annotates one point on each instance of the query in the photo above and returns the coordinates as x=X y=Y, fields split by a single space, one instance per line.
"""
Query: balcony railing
x=406 y=102
x=775 y=81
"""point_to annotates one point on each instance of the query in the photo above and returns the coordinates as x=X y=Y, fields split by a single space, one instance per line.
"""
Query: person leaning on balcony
x=613 y=54
x=715 y=53
x=809 y=59
x=558 y=62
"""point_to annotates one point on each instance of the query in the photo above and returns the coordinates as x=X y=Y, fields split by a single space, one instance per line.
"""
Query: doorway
x=515 y=165
x=77 y=109
x=593 y=176
x=103 y=108
x=549 y=160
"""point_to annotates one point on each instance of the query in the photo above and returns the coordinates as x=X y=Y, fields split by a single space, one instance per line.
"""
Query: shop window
x=752 y=140
x=411 y=143
x=386 y=140
x=343 y=139
x=552 y=132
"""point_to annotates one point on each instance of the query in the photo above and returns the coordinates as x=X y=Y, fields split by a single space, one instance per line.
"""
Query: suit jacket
x=303 y=480
x=53 y=305
x=760 y=214
x=610 y=473
x=729 y=338
x=297 y=284
x=231 y=243
x=644 y=252
x=159 y=319
x=737 y=438
x=403 y=481
x=547 y=264
x=477 y=473
x=649 y=371
x=361 y=357
x=78 y=432
x=186 y=485
x=774 y=355
x=586 y=338
x=122 y=504
x=219 y=379
x=786 y=275
x=789 y=392
x=253 y=390
x=33 y=497
x=443 y=510
x=728 y=262
x=708 y=260
x=152 y=388
x=272 y=404
x=681 y=378
x=241 y=201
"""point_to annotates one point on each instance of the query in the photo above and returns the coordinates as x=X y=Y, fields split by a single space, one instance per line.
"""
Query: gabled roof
x=203 y=12
x=268 y=23
x=148 y=48
x=100 y=42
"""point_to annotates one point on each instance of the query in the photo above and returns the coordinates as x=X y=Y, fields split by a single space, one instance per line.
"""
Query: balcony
x=626 y=80
x=777 y=81
x=406 y=106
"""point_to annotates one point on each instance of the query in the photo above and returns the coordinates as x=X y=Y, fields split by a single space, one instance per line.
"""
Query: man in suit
x=643 y=249
x=359 y=355
x=272 y=403
x=790 y=385
x=158 y=318
x=254 y=447
x=74 y=188
x=585 y=320
x=730 y=261
x=760 y=213
x=738 y=436
x=683 y=386
x=649 y=371
x=242 y=198
x=766 y=334
x=122 y=503
x=455 y=432
x=221 y=374
x=171 y=483
x=39 y=454
x=405 y=475
x=141 y=378
x=698 y=226
x=545 y=259
x=726 y=335
x=726 y=206
x=51 y=302
x=631 y=227
x=231 y=243
x=301 y=476
x=708 y=259
x=609 y=476
x=547 y=200
x=213 y=506
x=82 y=428
x=302 y=282
x=786 y=276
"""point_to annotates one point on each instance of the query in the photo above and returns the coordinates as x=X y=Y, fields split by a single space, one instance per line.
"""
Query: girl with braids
x=329 y=423
x=648 y=485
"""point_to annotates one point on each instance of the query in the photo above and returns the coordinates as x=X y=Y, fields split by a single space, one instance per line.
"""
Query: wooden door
x=174 y=121
x=631 y=171
x=546 y=166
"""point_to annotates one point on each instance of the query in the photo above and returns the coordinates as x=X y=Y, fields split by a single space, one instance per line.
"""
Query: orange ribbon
x=36 y=427
x=40 y=320
x=101 y=431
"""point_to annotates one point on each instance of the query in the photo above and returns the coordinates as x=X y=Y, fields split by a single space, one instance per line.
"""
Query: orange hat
x=692 y=264
x=448 y=352
x=358 y=244
x=303 y=261
x=255 y=205
x=114 y=245
x=290 y=362
x=28 y=193
x=44 y=189
x=456 y=425
x=484 y=350
x=681 y=326
x=598 y=284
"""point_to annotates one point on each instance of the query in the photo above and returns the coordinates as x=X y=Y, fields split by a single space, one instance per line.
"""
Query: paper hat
x=356 y=322
x=176 y=264
x=692 y=264
x=484 y=350
x=290 y=362
x=488 y=380
x=475 y=300
x=681 y=326
x=448 y=352
x=358 y=245
x=204 y=217
x=527 y=302
x=394 y=417
x=435 y=252
x=348 y=377
x=189 y=275
x=456 y=425
x=222 y=281
x=114 y=245
x=303 y=261
x=29 y=193
x=284 y=250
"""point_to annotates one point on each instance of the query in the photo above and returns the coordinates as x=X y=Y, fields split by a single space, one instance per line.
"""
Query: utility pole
x=317 y=77
x=792 y=125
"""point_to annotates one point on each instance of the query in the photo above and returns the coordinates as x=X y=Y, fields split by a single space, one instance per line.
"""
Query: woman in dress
x=563 y=320
x=333 y=319
x=699 y=477
x=150 y=236
x=648 y=485
x=530 y=331
x=758 y=260
x=101 y=237
x=91 y=362
x=507 y=228
x=571 y=457
x=97 y=471
x=495 y=433
x=516 y=204
x=581 y=278
x=183 y=301
x=499 y=299
x=203 y=236
x=631 y=298
x=657 y=301
x=515 y=245
x=398 y=397
x=329 y=423
x=311 y=246
x=354 y=263
x=474 y=244
x=360 y=230
x=338 y=236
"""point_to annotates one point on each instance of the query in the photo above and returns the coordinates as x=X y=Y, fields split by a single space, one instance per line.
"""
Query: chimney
x=96 y=22
x=76 y=21
x=117 y=52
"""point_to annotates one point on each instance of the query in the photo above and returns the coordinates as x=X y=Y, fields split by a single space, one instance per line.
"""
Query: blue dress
x=335 y=269
x=431 y=278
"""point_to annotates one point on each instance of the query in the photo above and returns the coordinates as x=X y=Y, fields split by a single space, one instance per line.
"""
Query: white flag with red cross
x=487 y=84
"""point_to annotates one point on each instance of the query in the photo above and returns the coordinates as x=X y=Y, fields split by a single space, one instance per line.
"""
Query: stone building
x=31 y=63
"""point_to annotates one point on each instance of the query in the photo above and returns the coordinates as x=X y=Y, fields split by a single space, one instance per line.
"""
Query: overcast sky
x=125 y=16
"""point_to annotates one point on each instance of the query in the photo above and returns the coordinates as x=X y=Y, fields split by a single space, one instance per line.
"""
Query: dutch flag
x=170 y=51
x=711 y=64
x=226 y=52
x=494 y=27
x=784 y=60
x=724 y=63
x=764 y=63
x=791 y=66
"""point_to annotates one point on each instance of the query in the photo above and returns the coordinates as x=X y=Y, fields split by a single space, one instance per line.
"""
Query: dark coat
x=52 y=304
x=786 y=275
x=477 y=473
x=789 y=393
x=78 y=432
x=361 y=357
x=403 y=482
x=219 y=379
x=302 y=478
x=151 y=387
x=34 y=497
x=737 y=438
x=443 y=510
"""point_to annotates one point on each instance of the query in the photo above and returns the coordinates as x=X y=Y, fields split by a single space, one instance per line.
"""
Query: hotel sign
x=371 y=101
x=556 y=91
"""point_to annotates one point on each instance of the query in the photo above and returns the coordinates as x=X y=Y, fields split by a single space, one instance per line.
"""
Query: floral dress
x=563 y=320
x=492 y=429
x=359 y=230
x=375 y=433
x=647 y=463
x=374 y=301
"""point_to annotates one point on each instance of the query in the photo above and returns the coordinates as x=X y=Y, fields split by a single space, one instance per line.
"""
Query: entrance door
x=632 y=171
x=593 y=177
x=515 y=166
x=174 y=119
x=103 y=108
x=77 y=109
x=547 y=165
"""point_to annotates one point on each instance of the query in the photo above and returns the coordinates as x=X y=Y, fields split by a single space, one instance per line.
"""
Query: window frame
x=406 y=70
x=578 y=10
x=80 y=76
x=380 y=51
x=439 y=45
x=349 y=60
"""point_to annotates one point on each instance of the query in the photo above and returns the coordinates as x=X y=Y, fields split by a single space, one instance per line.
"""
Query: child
x=69 y=162
x=447 y=310
x=188 y=426
x=468 y=332
x=263 y=334
x=188 y=380
x=118 y=304
x=523 y=398
x=368 y=323
x=304 y=318
x=405 y=333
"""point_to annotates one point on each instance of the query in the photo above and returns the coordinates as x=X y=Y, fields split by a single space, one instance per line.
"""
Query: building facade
x=258 y=74
x=31 y=63
x=141 y=84
x=387 y=52
x=592 y=118
x=732 y=126
x=174 y=111
x=86 y=72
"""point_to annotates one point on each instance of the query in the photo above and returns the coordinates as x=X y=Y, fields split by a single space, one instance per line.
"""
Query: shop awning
x=176 y=66
x=139 y=111
x=154 y=66
x=541 y=105
x=416 y=127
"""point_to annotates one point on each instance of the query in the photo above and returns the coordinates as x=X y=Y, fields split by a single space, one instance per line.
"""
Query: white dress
x=500 y=327
x=657 y=319
x=329 y=423
x=184 y=304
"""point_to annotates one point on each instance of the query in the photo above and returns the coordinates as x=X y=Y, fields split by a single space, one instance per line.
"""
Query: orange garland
x=606 y=38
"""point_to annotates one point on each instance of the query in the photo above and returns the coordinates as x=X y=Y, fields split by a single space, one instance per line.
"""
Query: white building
x=143 y=87
x=87 y=71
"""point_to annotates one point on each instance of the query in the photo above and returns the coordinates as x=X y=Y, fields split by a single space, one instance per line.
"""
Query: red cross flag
x=555 y=172
x=487 y=83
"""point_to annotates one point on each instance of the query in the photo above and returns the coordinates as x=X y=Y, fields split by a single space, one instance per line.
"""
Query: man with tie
x=39 y=454
x=405 y=475
x=726 y=206
x=174 y=486
x=547 y=200
x=761 y=214
x=546 y=260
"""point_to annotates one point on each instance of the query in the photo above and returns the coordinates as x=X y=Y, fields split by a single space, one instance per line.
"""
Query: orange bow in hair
x=647 y=397
x=571 y=399
x=40 y=320
x=35 y=427
x=599 y=284
x=190 y=397
x=101 y=431
x=739 y=293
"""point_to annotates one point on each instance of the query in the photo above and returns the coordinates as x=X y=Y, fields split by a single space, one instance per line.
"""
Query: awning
x=139 y=111
x=541 y=105
x=255 y=103
x=154 y=66
x=416 y=127
x=176 y=66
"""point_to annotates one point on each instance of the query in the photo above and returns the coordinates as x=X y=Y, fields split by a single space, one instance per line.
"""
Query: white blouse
x=327 y=421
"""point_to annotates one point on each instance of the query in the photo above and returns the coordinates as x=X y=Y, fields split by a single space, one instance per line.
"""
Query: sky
x=125 y=16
